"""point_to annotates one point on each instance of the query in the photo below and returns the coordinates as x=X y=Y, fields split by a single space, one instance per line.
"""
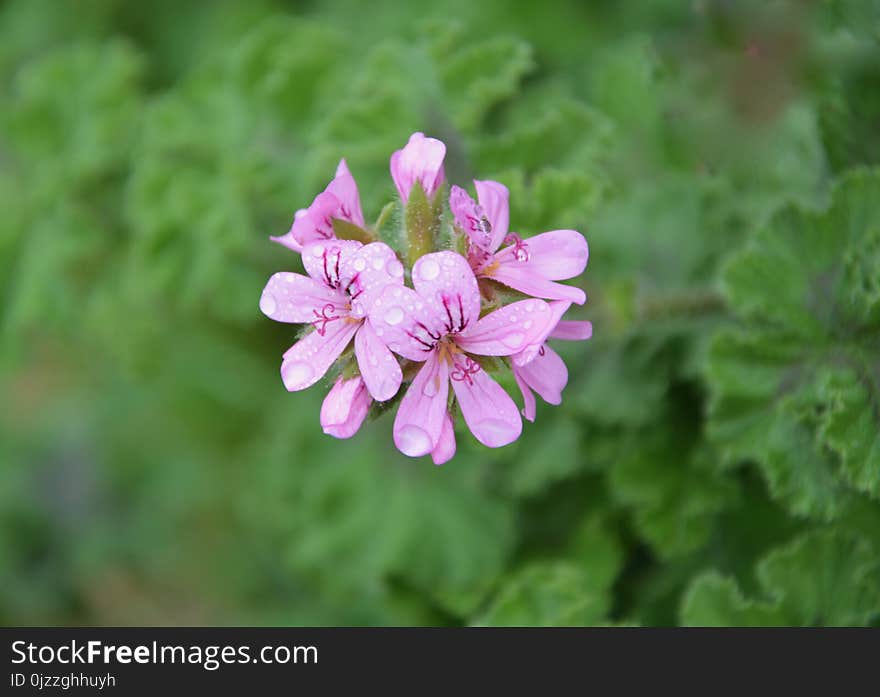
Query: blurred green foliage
x=716 y=459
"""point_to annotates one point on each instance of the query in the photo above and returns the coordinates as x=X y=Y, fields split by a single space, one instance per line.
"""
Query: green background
x=716 y=459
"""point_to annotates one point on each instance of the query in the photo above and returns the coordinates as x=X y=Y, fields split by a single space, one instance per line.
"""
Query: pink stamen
x=520 y=250
x=464 y=371
x=323 y=317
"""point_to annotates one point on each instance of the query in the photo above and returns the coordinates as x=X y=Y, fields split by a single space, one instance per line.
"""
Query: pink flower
x=543 y=370
x=421 y=160
x=439 y=324
x=343 y=278
x=339 y=200
x=530 y=266
x=345 y=408
x=444 y=451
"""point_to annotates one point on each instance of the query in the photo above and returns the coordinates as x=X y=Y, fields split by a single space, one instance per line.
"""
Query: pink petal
x=557 y=309
x=519 y=276
x=345 y=407
x=370 y=268
x=555 y=255
x=546 y=375
x=418 y=425
x=508 y=330
x=445 y=449
x=572 y=330
x=448 y=286
x=344 y=188
x=488 y=410
x=471 y=218
x=292 y=297
x=377 y=364
x=494 y=200
x=395 y=316
x=287 y=239
x=316 y=223
x=421 y=160
x=325 y=261
x=308 y=360
x=529 y=409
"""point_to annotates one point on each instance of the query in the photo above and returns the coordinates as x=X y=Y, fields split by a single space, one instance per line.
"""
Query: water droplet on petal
x=494 y=432
x=378 y=263
x=429 y=270
x=413 y=441
x=394 y=316
x=395 y=268
x=513 y=340
x=430 y=388
x=317 y=250
x=360 y=264
x=295 y=374
x=268 y=304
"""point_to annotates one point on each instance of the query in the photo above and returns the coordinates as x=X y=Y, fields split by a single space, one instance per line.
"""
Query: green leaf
x=823 y=578
x=713 y=600
x=552 y=594
x=673 y=488
x=802 y=359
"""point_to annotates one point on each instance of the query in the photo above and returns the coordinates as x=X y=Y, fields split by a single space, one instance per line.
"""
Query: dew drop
x=395 y=268
x=317 y=250
x=394 y=316
x=413 y=441
x=494 y=432
x=429 y=270
x=360 y=264
x=268 y=304
x=513 y=340
x=295 y=374
x=378 y=263
x=430 y=388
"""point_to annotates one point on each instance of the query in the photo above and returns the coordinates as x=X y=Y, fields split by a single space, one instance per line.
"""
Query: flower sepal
x=421 y=218
x=344 y=230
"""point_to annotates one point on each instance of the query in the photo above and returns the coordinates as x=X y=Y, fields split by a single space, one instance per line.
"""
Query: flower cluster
x=490 y=301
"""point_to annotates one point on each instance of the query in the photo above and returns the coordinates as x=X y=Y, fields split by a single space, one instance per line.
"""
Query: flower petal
x=292 y=297
x=554 y=255
x=316 y=223
x=508 y=330
x=325 y=261
x=345 y=407
x=546 y=375
x=421 y=160
x=418 y=425
x=308 y=360
x=445 y=449
x=494 y=200
x=557 y=309
x=344 y=188
x=370 y=268
x=529 y=408
x=448 y=286
x=396 y=315
x=287 y=239
x=488 y=410
x=471 y=218
x=572 y=330
x=519 y=276
x=377 y=364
